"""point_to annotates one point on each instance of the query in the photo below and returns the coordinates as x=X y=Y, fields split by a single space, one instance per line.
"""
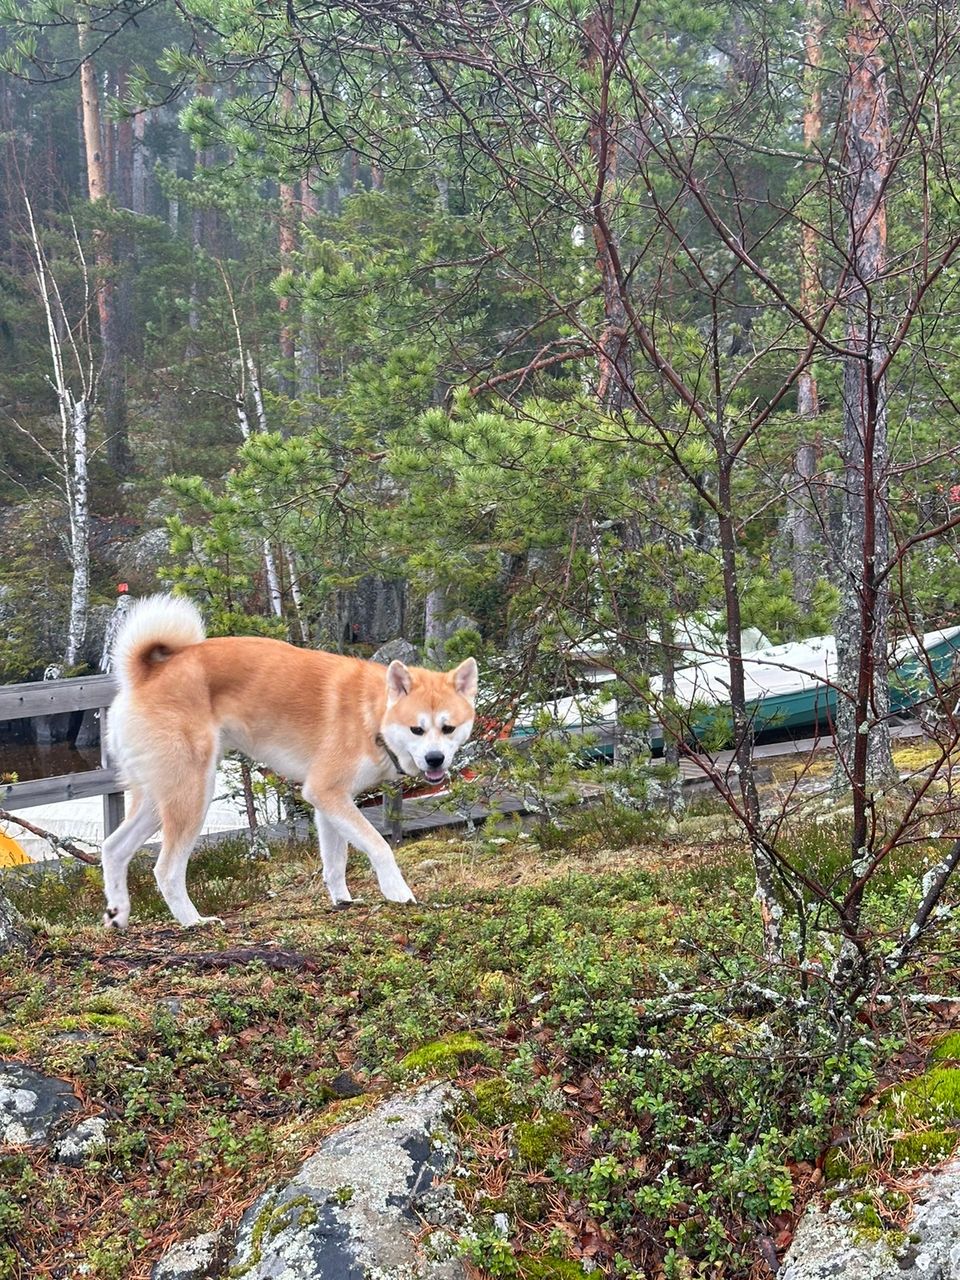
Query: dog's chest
x=372 y=773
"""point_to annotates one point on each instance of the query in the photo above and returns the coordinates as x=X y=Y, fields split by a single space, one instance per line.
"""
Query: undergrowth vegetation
x=644 y=1093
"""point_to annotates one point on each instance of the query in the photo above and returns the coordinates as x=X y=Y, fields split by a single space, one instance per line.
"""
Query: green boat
x=788 y=686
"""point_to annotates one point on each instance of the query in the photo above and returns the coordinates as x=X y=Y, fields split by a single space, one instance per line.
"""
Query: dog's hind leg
x=333 y=851
x=181 y=818
x=118 y=848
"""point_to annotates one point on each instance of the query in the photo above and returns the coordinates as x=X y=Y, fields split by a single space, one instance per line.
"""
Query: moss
x=933 y=1098
x=836 y=1166
x=549 y=1268
x=448 y=1055
x=271 y=1220
x=519 y=1199
x=8 y=1044
x=536 y=1141
x=108 y=1022
x=915 y=1150
x=493 y=1102
x=260 y=1229
x=946 y=1049
x=862 y=1211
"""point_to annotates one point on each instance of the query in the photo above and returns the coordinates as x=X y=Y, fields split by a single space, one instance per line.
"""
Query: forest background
x=520 y=328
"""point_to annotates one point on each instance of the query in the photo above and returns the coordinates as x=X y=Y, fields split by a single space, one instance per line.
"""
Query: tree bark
x=288 y=246
x=863 y=730
x=138 y=178
x=434 y=610
x=78 y=498
x=801 y=521
x=113 y=373
x=14 y=932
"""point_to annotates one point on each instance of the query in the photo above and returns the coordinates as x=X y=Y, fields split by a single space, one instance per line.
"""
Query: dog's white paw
x=400 y=894
x=116 y=917
x=202 y=920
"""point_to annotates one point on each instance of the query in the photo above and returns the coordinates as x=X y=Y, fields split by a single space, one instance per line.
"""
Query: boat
x=788 y=687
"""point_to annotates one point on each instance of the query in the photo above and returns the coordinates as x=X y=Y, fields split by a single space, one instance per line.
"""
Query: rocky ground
x=557 y=1062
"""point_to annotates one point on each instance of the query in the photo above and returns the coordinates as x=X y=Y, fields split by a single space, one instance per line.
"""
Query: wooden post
x=113 y=802
x=393 y=814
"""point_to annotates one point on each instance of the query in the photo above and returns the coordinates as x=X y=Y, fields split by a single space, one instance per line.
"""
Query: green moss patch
x=932 y=1099
x=916 y=1150
x=493 y=1103
x=537 y=1141
x=449 y=1055
x=947 y=1049
x=550 y=1268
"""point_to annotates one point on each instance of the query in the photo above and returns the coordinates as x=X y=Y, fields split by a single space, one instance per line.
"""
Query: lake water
x=29 y=761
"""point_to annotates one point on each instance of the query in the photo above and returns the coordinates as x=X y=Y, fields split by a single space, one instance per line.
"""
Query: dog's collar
x=393 y=759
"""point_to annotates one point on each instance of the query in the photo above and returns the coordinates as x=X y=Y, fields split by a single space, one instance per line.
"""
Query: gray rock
x=142 y=556
x=828 y=1247
x=459 y=622
x=31 y=1104
x=373 y=610
x=353 y=1209
x=14 y=931
x=397 y=651
x=84 y=1139
x=197 y=1259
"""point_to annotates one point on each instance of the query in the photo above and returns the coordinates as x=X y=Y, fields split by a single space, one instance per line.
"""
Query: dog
x=334 y=724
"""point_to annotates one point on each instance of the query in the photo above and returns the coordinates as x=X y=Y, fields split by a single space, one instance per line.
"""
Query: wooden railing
x=53 y=697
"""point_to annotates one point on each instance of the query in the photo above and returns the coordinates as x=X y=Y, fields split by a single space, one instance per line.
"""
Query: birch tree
x=73 y=377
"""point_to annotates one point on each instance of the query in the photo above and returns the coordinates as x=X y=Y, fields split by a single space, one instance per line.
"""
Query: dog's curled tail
x=154 y=630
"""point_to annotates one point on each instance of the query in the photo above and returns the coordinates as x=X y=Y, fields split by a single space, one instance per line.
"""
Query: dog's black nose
x=434 y=759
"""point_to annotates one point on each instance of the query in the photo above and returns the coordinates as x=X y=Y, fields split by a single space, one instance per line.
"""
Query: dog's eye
x=418 y=730
x=449 y=728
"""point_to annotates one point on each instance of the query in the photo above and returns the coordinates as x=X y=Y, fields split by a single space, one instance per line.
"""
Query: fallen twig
x=55 y=842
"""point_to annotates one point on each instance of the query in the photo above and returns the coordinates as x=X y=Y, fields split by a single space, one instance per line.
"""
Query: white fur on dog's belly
x=273 y=755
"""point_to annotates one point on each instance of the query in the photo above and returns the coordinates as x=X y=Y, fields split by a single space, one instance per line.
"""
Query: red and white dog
x=337 y=725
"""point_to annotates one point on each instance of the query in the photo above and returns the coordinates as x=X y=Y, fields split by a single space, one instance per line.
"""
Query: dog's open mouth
x=434 y=775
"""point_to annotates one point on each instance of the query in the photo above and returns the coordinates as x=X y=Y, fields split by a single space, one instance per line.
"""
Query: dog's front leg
x=346 y=819
x=333 y=851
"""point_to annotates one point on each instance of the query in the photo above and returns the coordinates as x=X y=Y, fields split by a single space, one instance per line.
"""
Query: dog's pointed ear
x=464 y=679
x=399 y=681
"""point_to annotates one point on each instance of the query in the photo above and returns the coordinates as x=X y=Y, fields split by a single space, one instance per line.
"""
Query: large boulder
x=397 y=651
x=202 y=1258
x=354 y=1210
x=828 y=1246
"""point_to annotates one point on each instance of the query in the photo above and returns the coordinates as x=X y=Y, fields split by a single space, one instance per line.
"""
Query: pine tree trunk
x=14 y=931
x=801 y=519
x=288 y=245
x=863 y=730
x=113 y=376
x=138 y=178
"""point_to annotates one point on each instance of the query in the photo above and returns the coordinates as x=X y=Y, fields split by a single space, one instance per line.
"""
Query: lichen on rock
x=390 y=1160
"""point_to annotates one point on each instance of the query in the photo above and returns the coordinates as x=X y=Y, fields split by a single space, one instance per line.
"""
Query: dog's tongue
x=434 y=775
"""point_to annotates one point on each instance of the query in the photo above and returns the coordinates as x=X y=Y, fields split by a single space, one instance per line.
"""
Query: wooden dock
x=416 y=815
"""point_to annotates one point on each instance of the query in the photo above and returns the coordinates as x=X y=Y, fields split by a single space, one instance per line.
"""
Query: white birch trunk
x=293 y=577
x=79 y=535
x=274 y=591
